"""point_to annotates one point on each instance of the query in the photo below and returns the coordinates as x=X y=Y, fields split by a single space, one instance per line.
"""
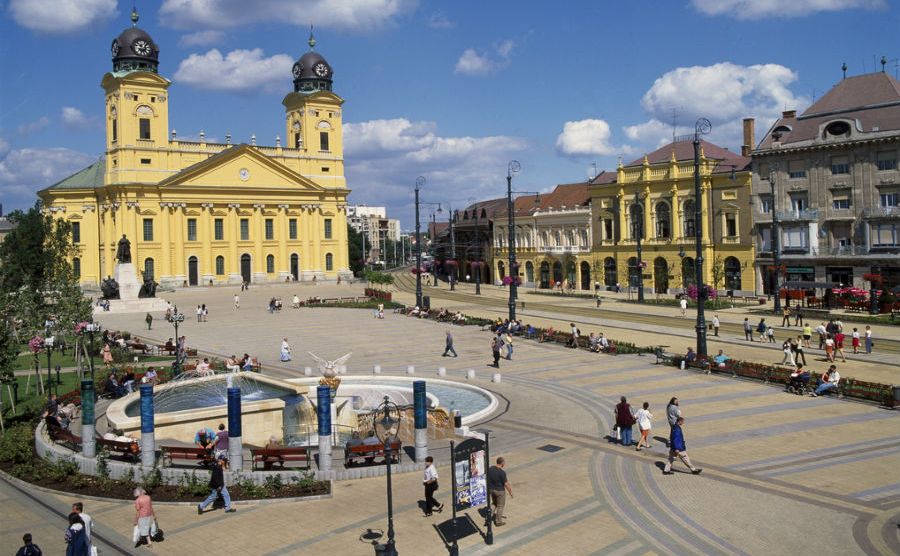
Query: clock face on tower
x=115 y=48
x=141 y=48
x=321 y=69
x=298 y=69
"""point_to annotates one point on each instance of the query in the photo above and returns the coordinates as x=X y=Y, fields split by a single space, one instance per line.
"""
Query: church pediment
x=241 y=167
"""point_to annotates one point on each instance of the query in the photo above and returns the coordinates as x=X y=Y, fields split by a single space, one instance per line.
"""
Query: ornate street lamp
x=637 y=226
x=48 y=345
x=776 y=250
x=420 y=181
x=512 y=168
x=92 y=328
x=177 y=318
x=702 y=127
x=387 y=424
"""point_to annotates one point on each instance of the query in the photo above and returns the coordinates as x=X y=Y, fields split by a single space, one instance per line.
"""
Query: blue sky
x=448 y=90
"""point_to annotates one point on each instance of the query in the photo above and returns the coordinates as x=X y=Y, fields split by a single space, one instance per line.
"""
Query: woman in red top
x=839 y=344
x=144 y=516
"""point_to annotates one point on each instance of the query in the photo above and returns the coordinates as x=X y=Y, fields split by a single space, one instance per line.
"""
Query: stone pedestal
x=129 y=288
x=129 y=284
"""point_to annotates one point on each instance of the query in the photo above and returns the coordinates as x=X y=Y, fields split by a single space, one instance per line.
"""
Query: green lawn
x=33 y=400
x=25 y=361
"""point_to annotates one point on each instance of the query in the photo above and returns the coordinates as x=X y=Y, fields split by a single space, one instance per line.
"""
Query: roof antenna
x=883 y=63
x=844 y=69
x=312 y=38
x=674 y=122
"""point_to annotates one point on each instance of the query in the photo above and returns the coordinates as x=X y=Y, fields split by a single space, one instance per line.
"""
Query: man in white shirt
x=828 y=382
x=683 y=304
x=716 y=325
x=78 y=508
x=821 y=331
x=430 y=480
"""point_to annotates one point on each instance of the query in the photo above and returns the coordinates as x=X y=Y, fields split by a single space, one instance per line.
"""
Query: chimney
x=749 y=136
x=789 y=114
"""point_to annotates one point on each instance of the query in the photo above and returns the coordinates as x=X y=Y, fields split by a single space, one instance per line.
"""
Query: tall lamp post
x=512 y=168
x=702 y=127
x=776 y=255
x=92 y=328
x=176 y=319
x=420 y=181
x=477 y=264
x=48 y=345
x=454 y=264
x=387 y=424
x=638 y=227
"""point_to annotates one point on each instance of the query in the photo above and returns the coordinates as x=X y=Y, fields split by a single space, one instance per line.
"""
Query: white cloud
x=34 y=127
x=439 y=20
x=758 y=9
x=472 y=62
x=61 y=16
x=725 y=93
x=238 y=71
x=74 y=118
x=24 y=171
x=586 y=137
x=385 y=156
x=201 y=38
x=344 y=14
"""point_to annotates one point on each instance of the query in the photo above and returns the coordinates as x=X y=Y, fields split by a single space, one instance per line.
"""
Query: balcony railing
x=562 y=249
x=805 y=214
x=881 y=212
x=765 y=251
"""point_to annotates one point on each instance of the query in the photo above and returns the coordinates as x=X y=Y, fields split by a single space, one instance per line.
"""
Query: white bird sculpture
x=329 y=369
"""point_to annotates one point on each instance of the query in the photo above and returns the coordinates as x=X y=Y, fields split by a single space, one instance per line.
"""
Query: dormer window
x=837 y=128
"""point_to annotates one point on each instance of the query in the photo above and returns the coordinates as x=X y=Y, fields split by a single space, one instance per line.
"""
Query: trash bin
x=426 y=302
x=457 y=419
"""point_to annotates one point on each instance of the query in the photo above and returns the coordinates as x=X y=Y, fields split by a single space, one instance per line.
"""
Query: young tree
x=354 y=249
x=718 y=272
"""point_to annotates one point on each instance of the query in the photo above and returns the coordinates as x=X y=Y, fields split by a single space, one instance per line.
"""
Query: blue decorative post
x=88 y=445
x=148 y=441
x=421 y=414
x=235 y=449
x=323 y=413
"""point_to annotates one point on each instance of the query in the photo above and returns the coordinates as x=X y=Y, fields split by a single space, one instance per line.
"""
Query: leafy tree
x=354 y=249
x=718 y=272
x=9 y=349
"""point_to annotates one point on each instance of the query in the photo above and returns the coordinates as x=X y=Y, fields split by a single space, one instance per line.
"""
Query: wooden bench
x=269 y=456
x=131 y=450
x=60 y=435
x=370 y=452
x=185 y=452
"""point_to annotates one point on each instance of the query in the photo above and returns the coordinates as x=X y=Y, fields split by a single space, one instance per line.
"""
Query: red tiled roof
x=684 y=150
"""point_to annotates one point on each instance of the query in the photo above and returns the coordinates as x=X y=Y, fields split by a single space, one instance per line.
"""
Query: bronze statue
x=123 y=253
x=148 y=289
x=110 y=288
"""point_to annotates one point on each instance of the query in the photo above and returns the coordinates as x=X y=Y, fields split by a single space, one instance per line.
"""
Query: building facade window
x=690 y=224
x=144 y=128
x=610 y=273
x=799 y=203
x=764 y=241
x=220 y=265
x=841 y=202
x=270 y=228
x=245 y=229
x=329 y=261
x=328 y=228
x=149 y=268
x=884 y=234
x=765 y=204
x=731 y=225
x=76 y=267
x=637 y=221
x=323 y=141
x=663 y=221
x=796 y=169
x=840 y=165
x=795 y=238
x=115 y=130
x=292 y=228
x=270 y=264
x=889 y=200
x=219 y=229
x=148 y=229
x=76 y=232
x=192 y=229
x=887 y=160
x=608 y=229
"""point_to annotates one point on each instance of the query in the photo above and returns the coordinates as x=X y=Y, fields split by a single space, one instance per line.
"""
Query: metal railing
x=805 y=214
x=881 y=212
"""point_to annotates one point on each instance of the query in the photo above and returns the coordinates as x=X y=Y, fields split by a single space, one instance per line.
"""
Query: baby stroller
x=798 y=383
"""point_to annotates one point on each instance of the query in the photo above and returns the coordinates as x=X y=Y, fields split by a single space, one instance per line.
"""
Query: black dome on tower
x=134 y=49
x=312 y=72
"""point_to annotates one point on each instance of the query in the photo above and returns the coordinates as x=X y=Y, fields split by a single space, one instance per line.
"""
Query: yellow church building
x=197 y=212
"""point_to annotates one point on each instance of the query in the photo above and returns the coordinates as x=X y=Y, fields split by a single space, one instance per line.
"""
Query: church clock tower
x=137 y=115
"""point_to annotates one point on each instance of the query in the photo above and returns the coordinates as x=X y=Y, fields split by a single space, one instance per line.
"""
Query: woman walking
x=868 y=340
x=624 y=421
x=839 y=345
x=855 y=340
x=76 y=537
x=788 y=354
x=761 y=330
x=799 y=354
x=144 y=516
x=644 y=418
x=829 y=348
x=509 y=346
x=107 y=355
x=285 y=351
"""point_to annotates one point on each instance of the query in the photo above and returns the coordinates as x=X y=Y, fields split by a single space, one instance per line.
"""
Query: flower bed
x=380 y=295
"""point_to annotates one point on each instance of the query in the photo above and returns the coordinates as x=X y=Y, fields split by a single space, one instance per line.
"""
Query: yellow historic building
x=197 y=212
x=654 y=197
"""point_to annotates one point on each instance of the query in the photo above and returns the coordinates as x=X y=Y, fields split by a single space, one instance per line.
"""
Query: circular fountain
x=285 y=408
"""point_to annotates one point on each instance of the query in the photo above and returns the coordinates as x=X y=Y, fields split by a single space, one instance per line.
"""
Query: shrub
x=17 y=445
x=61 y=469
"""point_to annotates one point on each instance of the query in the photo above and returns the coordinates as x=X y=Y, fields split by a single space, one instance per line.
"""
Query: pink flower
x=36 y=344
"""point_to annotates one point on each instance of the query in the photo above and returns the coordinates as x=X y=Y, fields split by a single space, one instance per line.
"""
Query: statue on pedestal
x=148 y=289
x=110 y=288
x=123 y=252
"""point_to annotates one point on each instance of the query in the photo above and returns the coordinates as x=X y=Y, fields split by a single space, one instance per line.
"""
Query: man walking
x=149 y=320
x=748 y=329
x=217 y=485
x=496 y=346
x=716 y=325
x=430 y=480
x=683 y=305
x=798 y=315
x=677 y=448
x=673 y=412
x=448 y=345
x=498 y=486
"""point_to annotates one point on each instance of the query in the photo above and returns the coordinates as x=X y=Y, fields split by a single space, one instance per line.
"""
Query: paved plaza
x=782 y=474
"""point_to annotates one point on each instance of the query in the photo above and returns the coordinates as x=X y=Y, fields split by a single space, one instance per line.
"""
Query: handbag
x=136 y=534
x=617 y=432
x=156 y=533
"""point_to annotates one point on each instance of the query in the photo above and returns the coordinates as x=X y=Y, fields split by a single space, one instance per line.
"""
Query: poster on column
x=469 y=474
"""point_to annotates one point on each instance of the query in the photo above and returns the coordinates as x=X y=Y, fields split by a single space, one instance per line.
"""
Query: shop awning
x=804 y=285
